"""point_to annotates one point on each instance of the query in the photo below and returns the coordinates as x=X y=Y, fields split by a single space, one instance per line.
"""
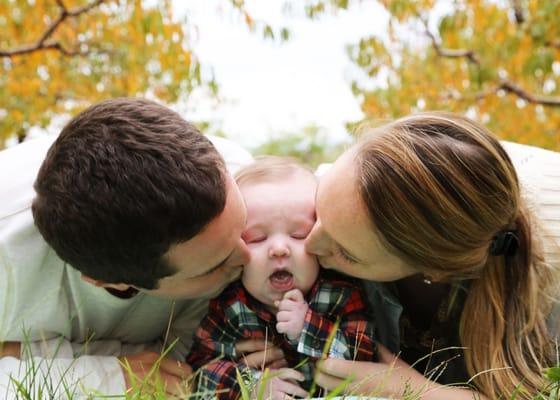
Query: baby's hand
x=291 y=314
x=281 y=384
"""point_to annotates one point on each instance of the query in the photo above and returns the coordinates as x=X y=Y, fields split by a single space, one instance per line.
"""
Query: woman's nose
x=317 y=242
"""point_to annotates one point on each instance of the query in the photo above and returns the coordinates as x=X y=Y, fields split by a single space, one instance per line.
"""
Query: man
x=134 y=209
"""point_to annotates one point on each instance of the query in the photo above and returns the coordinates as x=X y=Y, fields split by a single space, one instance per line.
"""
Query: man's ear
x=117 y=286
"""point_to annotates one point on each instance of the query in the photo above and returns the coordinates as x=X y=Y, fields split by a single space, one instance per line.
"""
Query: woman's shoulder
x=529 y=160
x=522 y=153
x=539 y=176
x=536 y=168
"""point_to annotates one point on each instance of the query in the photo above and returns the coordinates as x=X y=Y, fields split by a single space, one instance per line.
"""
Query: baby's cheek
x=310 y=260
x=253 y=271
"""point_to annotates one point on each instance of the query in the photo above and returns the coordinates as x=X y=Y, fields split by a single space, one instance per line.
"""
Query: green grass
x=37 y=384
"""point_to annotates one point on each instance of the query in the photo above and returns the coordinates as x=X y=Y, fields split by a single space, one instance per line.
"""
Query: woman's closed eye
x=341 y=254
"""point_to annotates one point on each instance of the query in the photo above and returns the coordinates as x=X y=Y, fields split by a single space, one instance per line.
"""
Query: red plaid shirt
x=235 y=315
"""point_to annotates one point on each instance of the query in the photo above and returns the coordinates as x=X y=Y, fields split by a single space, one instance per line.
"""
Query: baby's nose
x=279 y=249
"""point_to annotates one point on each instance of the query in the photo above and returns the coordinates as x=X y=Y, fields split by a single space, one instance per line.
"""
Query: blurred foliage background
x=495 y=61
x=60 y=56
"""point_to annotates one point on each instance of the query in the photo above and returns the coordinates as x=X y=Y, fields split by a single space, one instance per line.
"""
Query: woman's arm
x=390 y=377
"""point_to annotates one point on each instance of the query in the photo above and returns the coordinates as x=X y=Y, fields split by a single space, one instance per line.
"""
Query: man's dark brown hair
x=126 y=179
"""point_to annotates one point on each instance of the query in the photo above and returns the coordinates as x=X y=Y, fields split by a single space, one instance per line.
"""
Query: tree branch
x=84 y=9
x=43 y=43
x=49 y=45
x=505 y=84
x=509 y=87
x=553 y=43
x=58 y=46
x=518 y=11
x=450 y=53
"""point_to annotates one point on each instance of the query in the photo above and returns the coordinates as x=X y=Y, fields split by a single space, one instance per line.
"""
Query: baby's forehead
x=290 y=189
x=287 y=200
x=277 y=176
x=301 y=180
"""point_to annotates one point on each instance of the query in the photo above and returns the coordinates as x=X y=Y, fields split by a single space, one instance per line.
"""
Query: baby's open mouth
x=282 y=280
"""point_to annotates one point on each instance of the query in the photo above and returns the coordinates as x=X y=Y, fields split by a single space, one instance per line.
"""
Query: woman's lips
x=282 y=281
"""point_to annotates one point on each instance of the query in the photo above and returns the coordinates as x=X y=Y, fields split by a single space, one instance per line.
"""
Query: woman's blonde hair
x=438 y=188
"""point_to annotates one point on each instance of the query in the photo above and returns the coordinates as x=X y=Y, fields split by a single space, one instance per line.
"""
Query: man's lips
x=282 y=280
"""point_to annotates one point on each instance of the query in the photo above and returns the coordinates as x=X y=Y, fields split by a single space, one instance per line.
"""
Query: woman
x=432 y=204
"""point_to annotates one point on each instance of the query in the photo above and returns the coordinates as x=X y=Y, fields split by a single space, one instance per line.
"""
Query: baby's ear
x=117 y=286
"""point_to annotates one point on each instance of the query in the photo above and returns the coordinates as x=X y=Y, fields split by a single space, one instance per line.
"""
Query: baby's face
x=280 y=215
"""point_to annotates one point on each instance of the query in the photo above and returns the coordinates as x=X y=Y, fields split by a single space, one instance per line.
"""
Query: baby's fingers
x=294 y=295
x=284 y=316
x=282 y=327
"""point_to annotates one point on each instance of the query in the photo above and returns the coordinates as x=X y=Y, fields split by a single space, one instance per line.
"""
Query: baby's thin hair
x=266 y=168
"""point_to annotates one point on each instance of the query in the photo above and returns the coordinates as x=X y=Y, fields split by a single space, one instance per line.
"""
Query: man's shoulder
x=19 y=166
x=234 y=154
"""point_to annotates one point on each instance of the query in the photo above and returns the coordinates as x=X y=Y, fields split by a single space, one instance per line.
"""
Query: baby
x=283 y=296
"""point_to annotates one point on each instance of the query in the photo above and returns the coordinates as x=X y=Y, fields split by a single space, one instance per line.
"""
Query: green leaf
x=267 y=32
x=245 y=395
x=284 y=34
x=553 y=374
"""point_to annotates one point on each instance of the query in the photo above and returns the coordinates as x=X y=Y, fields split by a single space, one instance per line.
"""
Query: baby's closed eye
x=299 y=235
x=253 y=236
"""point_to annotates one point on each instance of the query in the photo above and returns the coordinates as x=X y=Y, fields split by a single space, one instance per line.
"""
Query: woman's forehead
x=342 y=212
x=338 y=186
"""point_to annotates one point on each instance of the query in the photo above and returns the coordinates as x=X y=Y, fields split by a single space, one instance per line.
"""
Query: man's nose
x=241 y=255
x=318 y=242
